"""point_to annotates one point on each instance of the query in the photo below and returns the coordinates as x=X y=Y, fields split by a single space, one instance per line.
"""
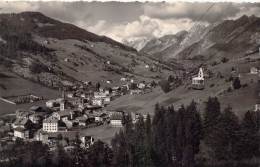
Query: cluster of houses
x=75 y=111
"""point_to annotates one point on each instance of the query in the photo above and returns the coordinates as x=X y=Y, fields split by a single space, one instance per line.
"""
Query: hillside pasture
x=16 y=85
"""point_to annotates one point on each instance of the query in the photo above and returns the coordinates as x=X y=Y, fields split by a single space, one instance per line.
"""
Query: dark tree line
x=170 y=139
x=178 y=138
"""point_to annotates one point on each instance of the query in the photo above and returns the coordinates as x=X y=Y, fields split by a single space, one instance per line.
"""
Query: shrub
x=229 y=89
x=165 y=85
x=224 y=60
x=212 y=85
x=37 y=68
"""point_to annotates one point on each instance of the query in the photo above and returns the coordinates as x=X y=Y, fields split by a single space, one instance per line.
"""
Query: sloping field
x=16 y=85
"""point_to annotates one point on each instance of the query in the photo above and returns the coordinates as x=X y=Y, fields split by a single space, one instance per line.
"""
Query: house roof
x=19 y=129
x=65 y=113
x=51 y=119
x=21 y=121
x=34 y=108
x=116 y=116
x=99 y=114
x=82 y=119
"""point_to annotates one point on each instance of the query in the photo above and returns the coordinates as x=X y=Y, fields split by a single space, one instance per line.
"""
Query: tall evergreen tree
x=227 y=141
x=251 y=135
x=211 y=116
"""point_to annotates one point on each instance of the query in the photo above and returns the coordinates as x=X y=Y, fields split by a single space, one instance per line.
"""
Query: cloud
x=134 y=20
x=193 y=11
x=144 y=27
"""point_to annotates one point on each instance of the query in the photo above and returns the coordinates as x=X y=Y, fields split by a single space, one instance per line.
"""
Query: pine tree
x=98 y=85
x=236 y=83
x=159 y=141
x=211 y=116
x=170 y=131
x=228 y=138
x=251 y=136
x=180 y=136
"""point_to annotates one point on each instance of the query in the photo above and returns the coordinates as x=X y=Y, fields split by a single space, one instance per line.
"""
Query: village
x=80 y=108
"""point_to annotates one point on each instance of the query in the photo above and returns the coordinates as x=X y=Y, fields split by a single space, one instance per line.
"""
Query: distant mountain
x=138 y=44
x=230 y=35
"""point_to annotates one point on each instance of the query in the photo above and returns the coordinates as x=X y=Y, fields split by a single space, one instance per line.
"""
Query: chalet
x=2 y=122
x=99 y=95
x=21 y=133
x=50 y=124
x=87 y=83
x=98 y=101
x=111 y=112
x=35 y=109
x=115 y=89
x=116 y=120
x=35 y=118
x=82 y=121
x=46 y=42
x=70 y=95
x=107 y=92
x=135 y=116
x=123 y=79
x=64 y=115
x=69 y=123
x=76 y=101
x=100 y=117
x=101 y=89
x=22 y=123
x=137 y=91
x=109 y=81
x=51 y=103
x=86 y=141
x=253 y=70
x=21 y=113
x=257 y=107
x=67 y=59
x=141 y=85
x=126 y=86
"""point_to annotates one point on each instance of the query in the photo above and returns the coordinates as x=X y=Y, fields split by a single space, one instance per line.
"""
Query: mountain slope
x=36 y=22
x=137 y=44
x=228 y=36
x=58 y=54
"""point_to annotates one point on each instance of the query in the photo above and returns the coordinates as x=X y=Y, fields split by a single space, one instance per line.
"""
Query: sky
x=135 y=20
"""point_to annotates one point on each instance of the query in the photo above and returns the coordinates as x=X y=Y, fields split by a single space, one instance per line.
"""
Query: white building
x=50 y=124
x=64 y=115
x=21 y=133
x=253 y=70
x=123 y=79
x=100 y=95
x=141 y=85
x=98 y=101
x=257 y=107
x=116 y=120
x=50 y=103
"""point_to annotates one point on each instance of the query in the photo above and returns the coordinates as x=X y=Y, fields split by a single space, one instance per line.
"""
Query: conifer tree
x=251 y=136
x=211 y=116
x=227 y=141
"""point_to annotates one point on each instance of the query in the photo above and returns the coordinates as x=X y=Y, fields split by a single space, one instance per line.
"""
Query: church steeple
x=63 y=95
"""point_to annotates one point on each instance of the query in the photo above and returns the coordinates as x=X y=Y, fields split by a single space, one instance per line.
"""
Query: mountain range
x=238 y=36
